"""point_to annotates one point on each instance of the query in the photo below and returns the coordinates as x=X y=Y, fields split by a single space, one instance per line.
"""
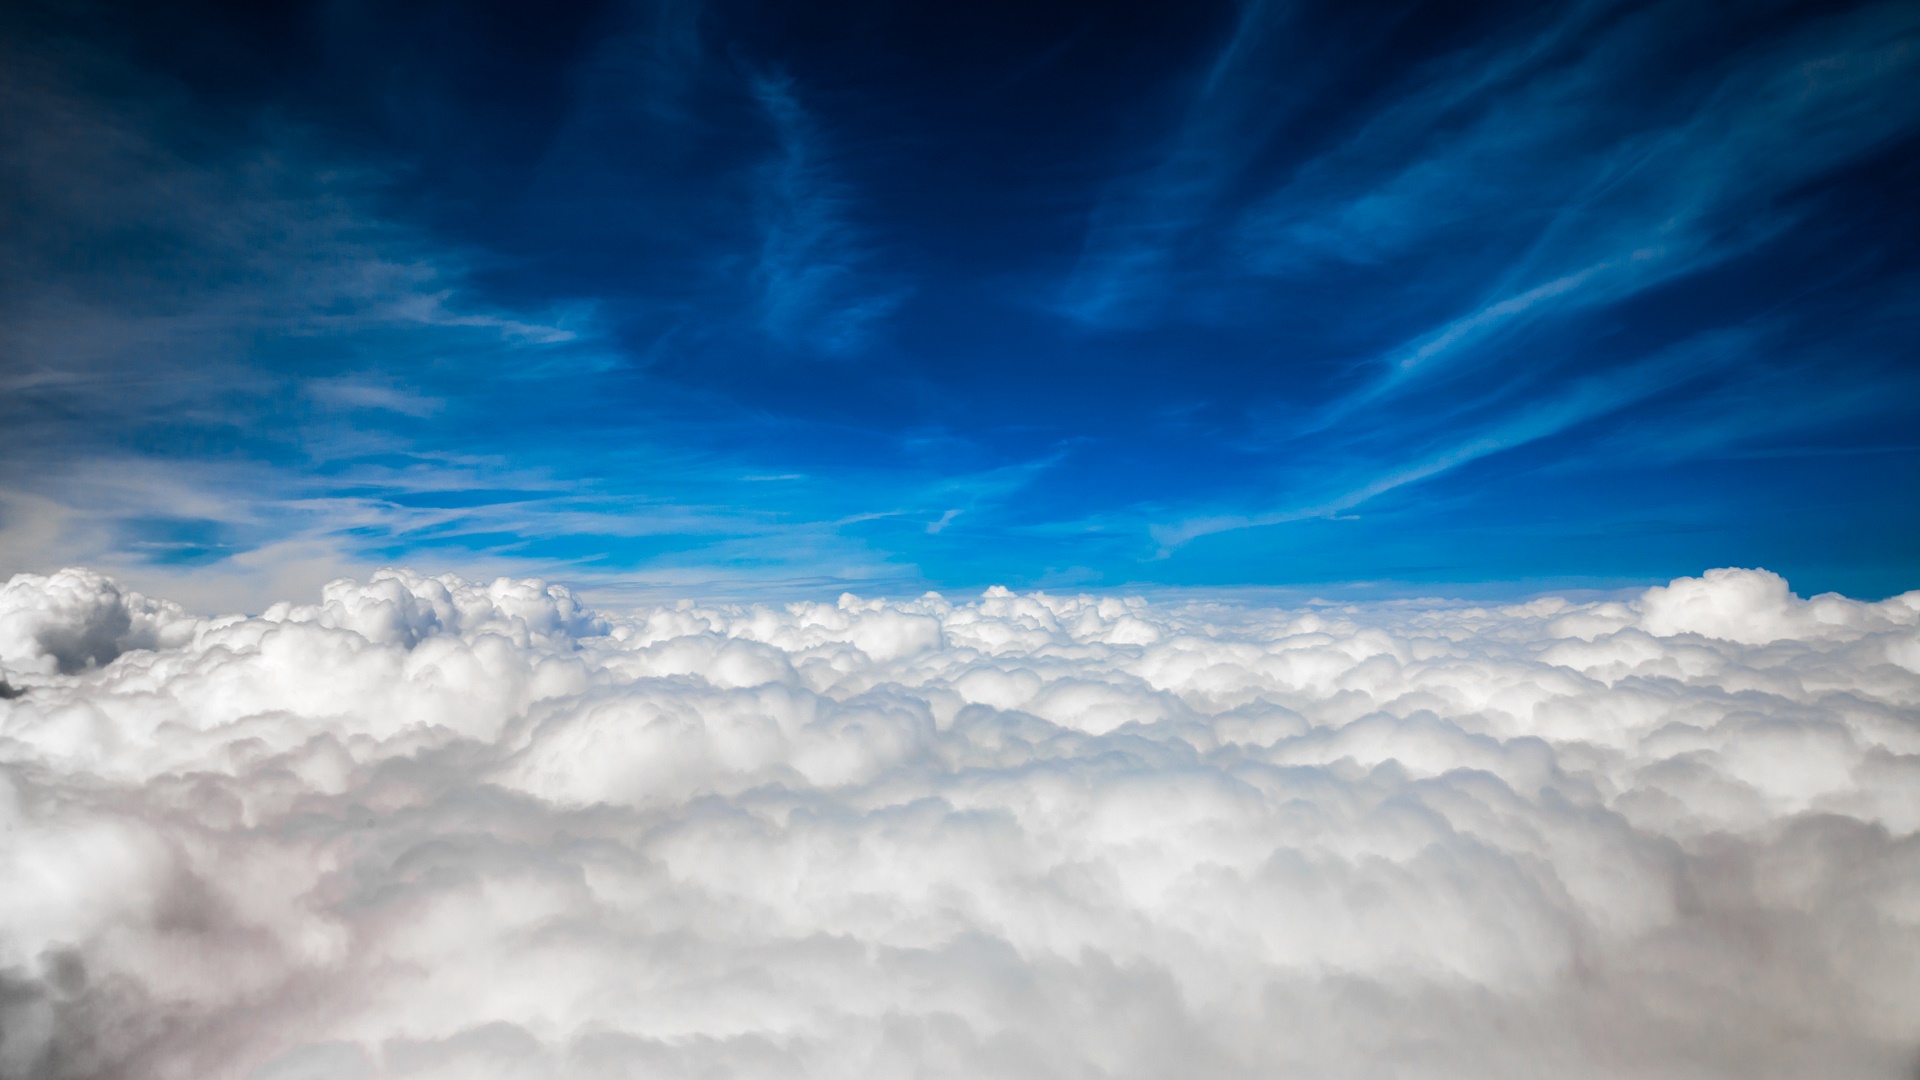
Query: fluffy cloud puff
x=430 y=828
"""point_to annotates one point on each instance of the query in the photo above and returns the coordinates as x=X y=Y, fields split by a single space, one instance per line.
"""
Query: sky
x=684 y=539
x=726 y=299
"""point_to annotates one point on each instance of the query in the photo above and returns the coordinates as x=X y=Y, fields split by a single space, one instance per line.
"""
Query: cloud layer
x=432 y=828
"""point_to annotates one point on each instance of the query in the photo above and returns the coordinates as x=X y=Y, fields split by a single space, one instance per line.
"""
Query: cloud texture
x=431 y=828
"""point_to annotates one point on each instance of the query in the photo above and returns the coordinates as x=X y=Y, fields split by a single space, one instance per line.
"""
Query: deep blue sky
x=738 y=297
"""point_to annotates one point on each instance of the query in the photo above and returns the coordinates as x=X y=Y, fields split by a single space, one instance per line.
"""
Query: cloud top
x=429 y=827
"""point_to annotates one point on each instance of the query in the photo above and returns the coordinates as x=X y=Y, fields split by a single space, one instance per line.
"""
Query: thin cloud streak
x=1583 y=401
x=811 y=268
x=1133 y=245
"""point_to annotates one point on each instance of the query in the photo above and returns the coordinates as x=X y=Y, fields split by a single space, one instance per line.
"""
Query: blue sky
x=768 y=299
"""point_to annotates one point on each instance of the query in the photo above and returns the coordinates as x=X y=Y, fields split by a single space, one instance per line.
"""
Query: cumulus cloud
x=433 y=828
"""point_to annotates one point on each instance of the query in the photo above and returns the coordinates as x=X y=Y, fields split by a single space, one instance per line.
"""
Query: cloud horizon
x=431 y=827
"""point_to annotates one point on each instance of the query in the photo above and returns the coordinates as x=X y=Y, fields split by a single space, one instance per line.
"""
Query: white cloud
x=433 y=828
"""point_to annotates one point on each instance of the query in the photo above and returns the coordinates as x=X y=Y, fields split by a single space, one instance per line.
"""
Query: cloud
x=1479 y=218
x=429 y=827
x=1145 y=222
x=206 y=335
x=1629 y=210
x=812 y=263
x=1470 y=437
x=351 y=393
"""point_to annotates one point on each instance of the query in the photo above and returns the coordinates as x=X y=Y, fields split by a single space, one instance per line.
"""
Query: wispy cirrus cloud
x=814 y=269
x=1634 y=211
x=1496 y=426
x=1509 y=191
x=1142 y=225
x=230 y=372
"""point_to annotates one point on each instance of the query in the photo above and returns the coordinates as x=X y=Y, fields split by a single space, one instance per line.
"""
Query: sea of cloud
x=433 y=828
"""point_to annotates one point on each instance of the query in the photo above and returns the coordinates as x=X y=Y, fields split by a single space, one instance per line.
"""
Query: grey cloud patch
x=77 y=619
x=146 y=282
x=426 y=827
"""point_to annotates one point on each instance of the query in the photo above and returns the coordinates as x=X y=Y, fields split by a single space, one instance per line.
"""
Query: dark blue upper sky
x=736 y=296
